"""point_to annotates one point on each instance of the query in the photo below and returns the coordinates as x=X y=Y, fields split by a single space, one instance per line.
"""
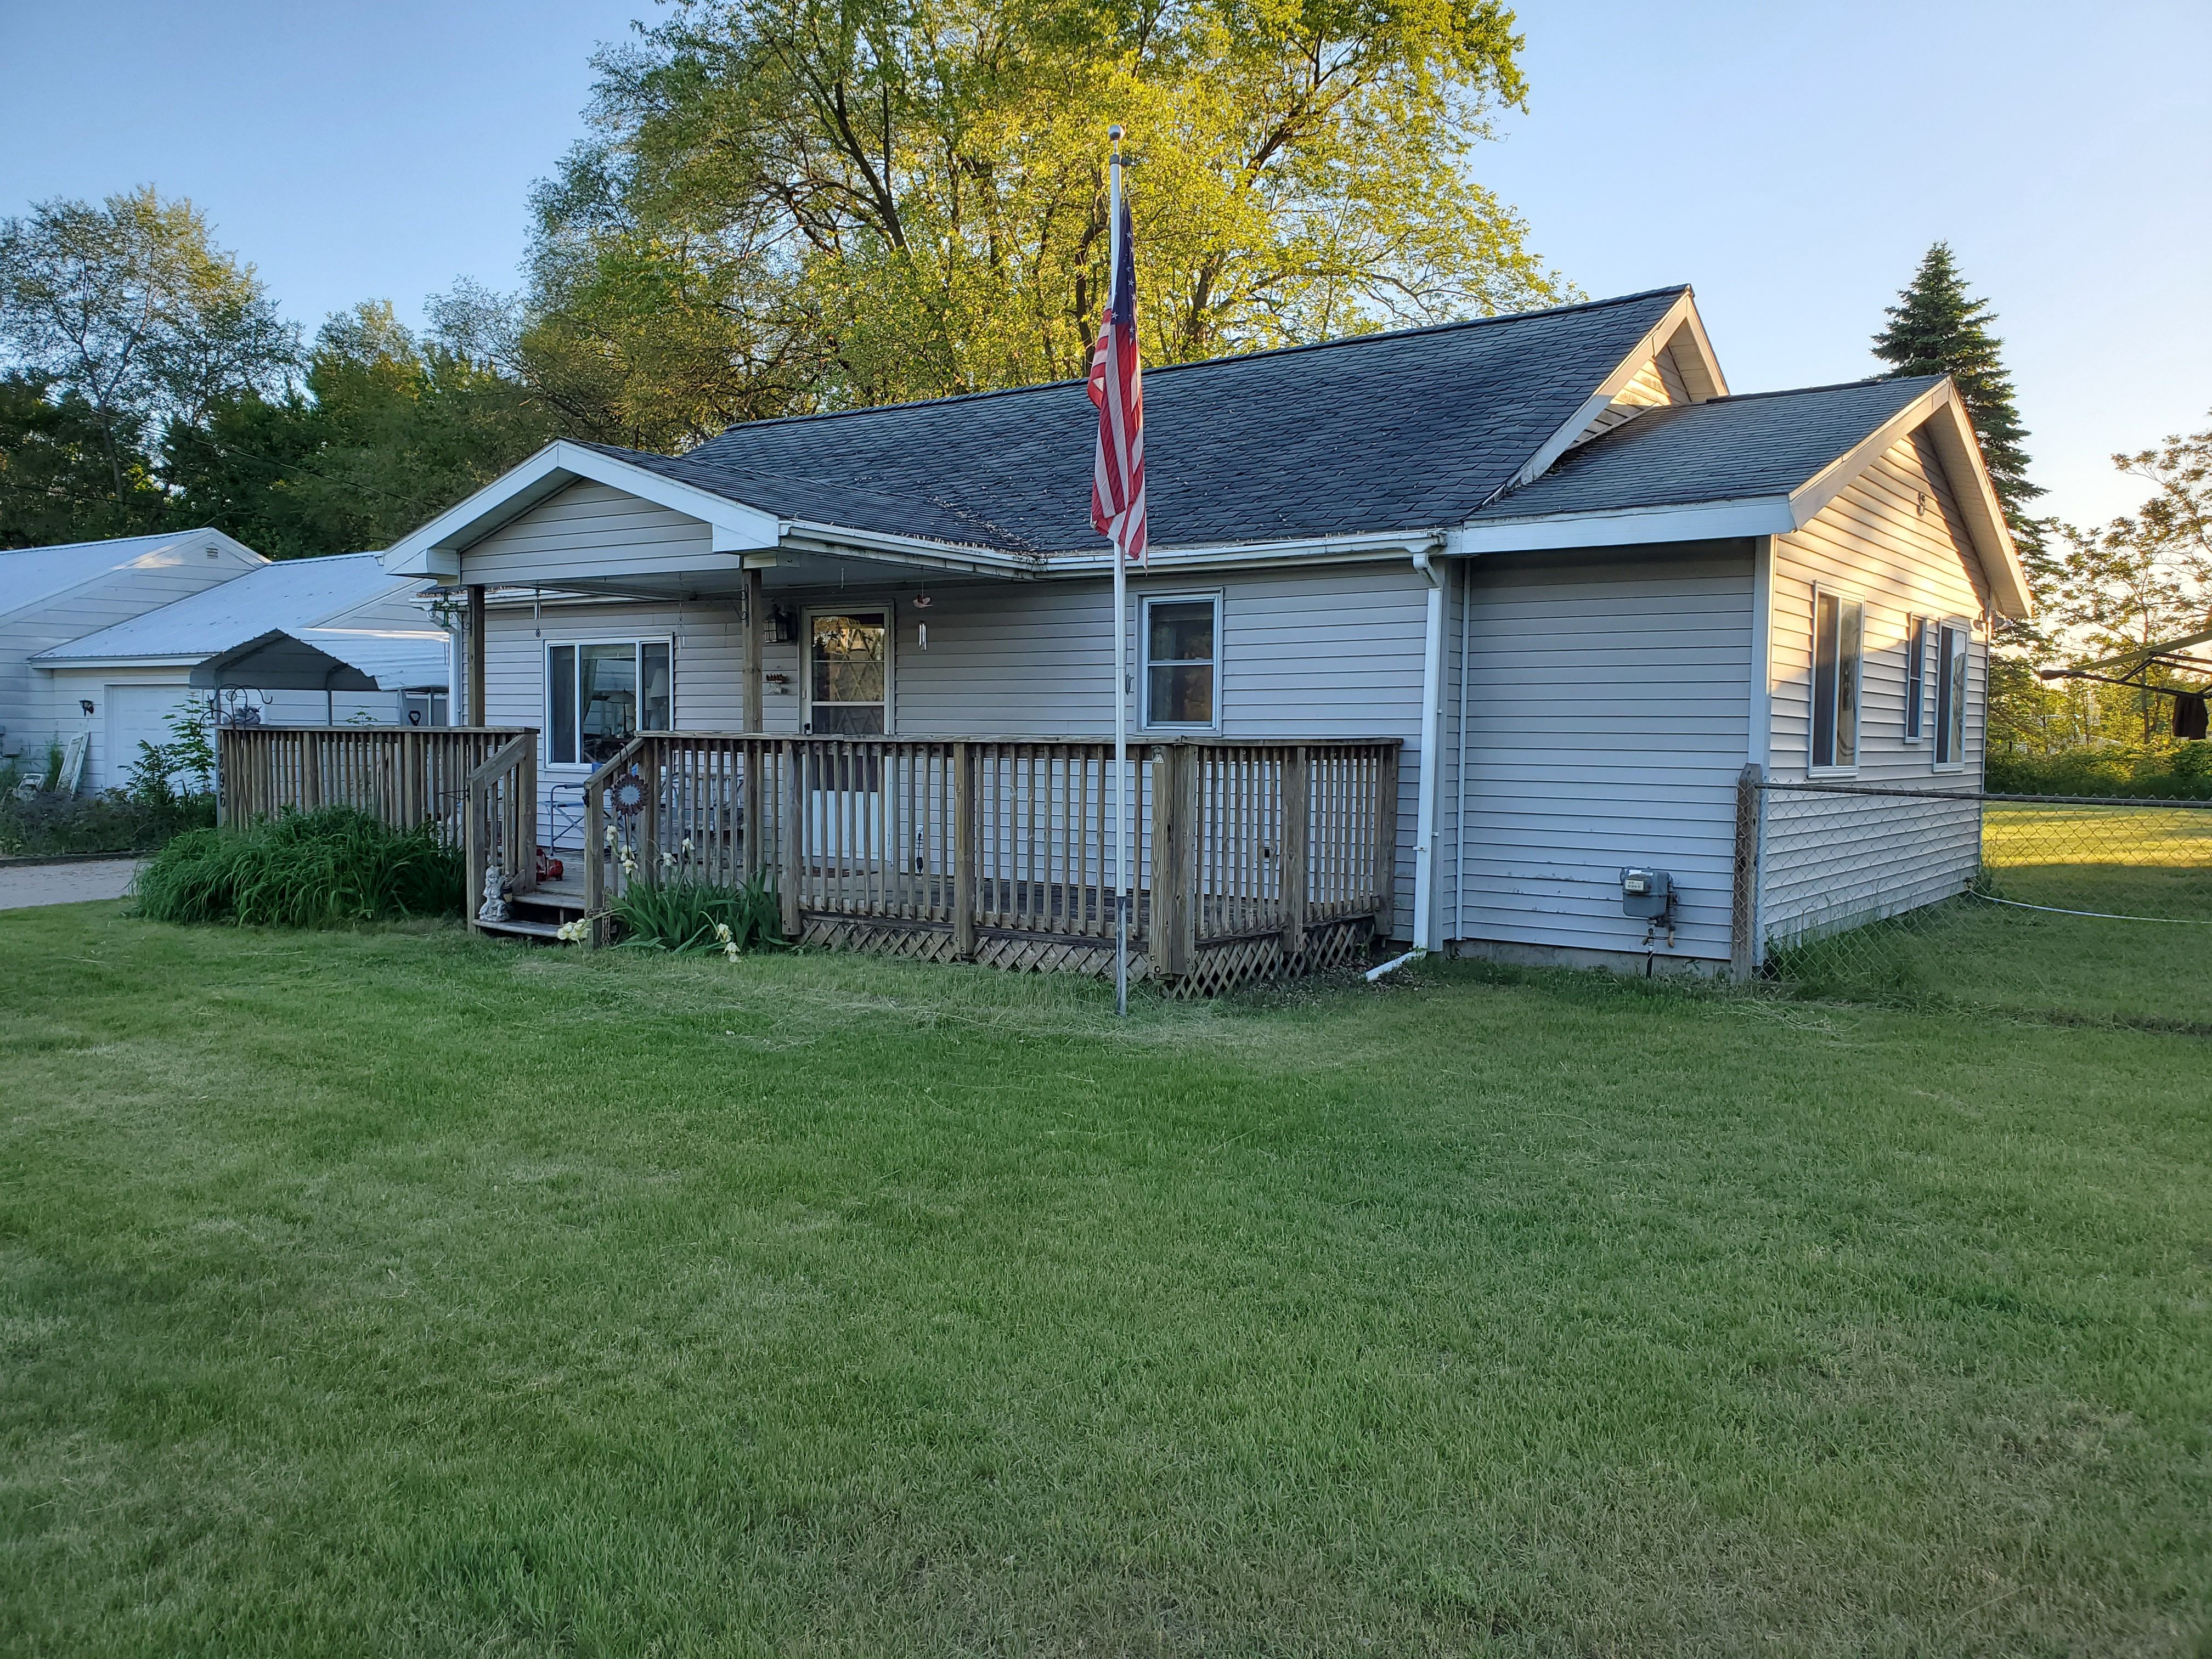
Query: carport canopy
x=280 y=661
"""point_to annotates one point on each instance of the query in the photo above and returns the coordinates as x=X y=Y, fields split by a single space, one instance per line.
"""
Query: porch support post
x=477 y=656
x=756 y=602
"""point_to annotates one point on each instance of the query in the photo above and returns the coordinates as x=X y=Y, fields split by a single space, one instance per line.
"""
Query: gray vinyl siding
x=1893 y=540
x=593 y=529
x=1607 y=696
x=31 y=709
x=1326 y=652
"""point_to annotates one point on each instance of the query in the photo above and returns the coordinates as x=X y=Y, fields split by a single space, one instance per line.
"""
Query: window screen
x=1837 y=627
x=1180 y=658
x=1950 y=695
x=1915 y=677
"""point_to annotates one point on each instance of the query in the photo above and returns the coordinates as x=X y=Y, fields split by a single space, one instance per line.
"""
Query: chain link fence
x=2055 y=906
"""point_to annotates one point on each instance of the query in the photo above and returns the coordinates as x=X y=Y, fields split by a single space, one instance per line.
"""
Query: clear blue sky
x=1792 y=160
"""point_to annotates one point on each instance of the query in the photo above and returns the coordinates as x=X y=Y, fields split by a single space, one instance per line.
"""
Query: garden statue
x=493 y=908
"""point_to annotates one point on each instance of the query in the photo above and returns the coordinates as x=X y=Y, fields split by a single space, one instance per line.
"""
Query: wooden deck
x=1247 y=858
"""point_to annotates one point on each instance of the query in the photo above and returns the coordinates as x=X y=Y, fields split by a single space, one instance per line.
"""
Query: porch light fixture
x=85 y=704
x=782 y=626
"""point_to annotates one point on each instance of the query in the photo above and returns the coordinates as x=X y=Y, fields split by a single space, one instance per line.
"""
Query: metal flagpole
x=1123 y=884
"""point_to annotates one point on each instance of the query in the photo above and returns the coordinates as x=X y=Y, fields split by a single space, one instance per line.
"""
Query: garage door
x=136 y=714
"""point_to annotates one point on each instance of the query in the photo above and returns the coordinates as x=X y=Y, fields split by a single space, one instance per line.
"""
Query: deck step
x=544 y=930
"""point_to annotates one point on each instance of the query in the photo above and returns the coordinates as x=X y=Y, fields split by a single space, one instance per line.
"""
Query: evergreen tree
x=1938 y=328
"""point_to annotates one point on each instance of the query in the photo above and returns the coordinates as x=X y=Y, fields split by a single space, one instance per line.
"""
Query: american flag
x=1117 y=387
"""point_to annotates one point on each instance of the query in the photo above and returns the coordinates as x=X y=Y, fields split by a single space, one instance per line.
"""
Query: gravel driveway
x=23 y=885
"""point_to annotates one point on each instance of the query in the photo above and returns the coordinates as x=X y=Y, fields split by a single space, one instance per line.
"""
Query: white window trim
x=545 y=684
x=1919 y=649
x=1813 y=687
x=807 y=616
x=1144 y=624
x=1966 y=627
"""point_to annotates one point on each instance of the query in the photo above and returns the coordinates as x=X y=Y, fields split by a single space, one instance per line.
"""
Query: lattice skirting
x=1021 y=954
x=1224 y=965
x=1216 y=968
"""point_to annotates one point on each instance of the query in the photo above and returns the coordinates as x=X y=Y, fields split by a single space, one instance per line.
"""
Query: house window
x=1916 y=678
x=600 y=695
x=1839 y=625
x=848 y=673
x=1951 y=694
x=1181 y=638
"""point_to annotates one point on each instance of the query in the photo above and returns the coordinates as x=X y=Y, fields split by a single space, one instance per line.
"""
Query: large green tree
x=56 y=482
x=387 y=431
x=1936 y=327
x=130 y=311
x=792 y=205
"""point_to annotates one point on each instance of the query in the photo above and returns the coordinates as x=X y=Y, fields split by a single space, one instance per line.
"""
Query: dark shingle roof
x=1398 y=431
x=1729 y=449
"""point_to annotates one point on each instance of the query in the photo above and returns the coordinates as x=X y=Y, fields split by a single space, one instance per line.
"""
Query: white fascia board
x=1940 y=411
x=172 y=660
x=1681 y=317
x=840 y=541
x=435 y=549
x=1314 y=550
x=1698 y=521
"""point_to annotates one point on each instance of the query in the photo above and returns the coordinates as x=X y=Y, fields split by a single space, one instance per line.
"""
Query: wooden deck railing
x=405 y=775
x=1247 y=855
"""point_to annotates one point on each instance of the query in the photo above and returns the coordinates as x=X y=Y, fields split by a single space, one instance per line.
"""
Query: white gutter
x=1431 y=774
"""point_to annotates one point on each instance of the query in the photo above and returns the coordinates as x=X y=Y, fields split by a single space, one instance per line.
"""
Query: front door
x=849 y=673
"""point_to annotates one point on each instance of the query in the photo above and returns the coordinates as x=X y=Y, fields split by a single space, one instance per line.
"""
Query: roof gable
x=31 y=575
x=1760 y=465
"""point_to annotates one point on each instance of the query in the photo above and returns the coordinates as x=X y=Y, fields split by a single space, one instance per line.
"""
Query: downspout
x=1432 y=740
x=1425 y=812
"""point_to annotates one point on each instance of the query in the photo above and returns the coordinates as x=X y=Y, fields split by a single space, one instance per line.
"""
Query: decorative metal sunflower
x=627 y=795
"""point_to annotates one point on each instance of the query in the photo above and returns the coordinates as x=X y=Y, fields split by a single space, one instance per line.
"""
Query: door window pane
x=607 y=699
x=657 y=708
x=848 y=672
x=1181 y=655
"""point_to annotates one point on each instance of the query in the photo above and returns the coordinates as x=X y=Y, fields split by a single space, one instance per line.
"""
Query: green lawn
x=2122 y=862
x=393 y=1293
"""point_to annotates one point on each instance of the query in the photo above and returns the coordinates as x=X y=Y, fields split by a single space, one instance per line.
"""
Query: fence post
x=1175 y=837
x=1386 y=841
x=1743 y=909
x=1297 y=793
x=649 y=774
x=595 y=862
x=963 y=851
x=791 y=843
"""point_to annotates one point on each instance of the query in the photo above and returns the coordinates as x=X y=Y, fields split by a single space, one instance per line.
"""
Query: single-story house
x=1549 y=555
x=323 y=641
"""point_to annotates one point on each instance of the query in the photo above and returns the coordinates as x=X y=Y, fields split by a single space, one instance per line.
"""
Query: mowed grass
x=390 y=1292
x=2151 y=867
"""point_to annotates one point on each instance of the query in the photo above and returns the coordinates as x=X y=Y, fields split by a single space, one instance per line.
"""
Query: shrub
x=302 y=870
x=50 y=824
x=2181 y=773
x=686 y=914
